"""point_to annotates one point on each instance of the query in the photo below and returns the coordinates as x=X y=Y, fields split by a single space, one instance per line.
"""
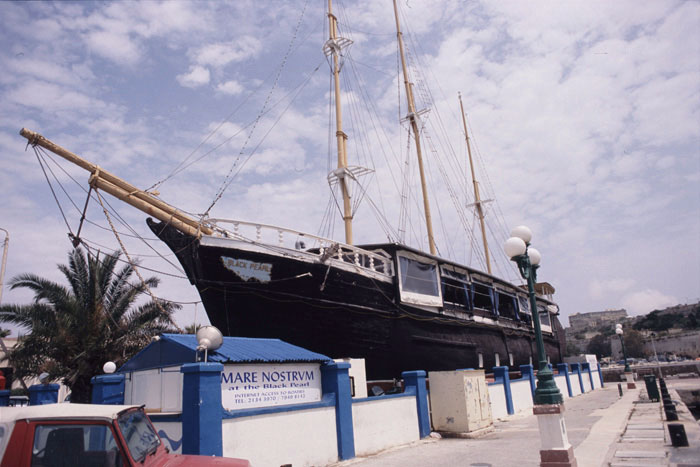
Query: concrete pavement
x=604 y=428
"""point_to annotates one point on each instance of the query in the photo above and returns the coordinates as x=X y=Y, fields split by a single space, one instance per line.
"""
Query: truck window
x=71 y=445
x=140 y=437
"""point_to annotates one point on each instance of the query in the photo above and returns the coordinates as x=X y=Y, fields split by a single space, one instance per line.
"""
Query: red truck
x=88 y=435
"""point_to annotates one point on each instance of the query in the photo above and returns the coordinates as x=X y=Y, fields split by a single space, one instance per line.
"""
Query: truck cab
x=88 y=435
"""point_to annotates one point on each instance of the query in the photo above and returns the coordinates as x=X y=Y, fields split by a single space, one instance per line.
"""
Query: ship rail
x=325 y=249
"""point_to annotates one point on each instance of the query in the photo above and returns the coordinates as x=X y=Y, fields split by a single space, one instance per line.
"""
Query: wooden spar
x=123 y=190
x=102 y=184
x=416 y=134
x=341 y=137
x=477 y=198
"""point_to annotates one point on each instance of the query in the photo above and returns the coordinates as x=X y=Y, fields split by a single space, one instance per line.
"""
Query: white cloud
x=116 y=46
x=231 y=87
x=644 y=301
x=600 y=289
x=195 y=77
x=49 y=96
x=223 y=53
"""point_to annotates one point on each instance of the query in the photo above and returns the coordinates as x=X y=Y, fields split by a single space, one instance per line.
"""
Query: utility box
x=459 y=401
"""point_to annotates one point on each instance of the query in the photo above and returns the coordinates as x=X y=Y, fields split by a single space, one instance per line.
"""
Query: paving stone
x=644 y=433
x=640 y=440
x=641 y=454
x=645 y=426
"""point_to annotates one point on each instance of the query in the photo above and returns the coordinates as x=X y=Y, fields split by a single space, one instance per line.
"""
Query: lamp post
x=549 y=402
x=653 y=346
x=629 y=376
x=5 y=245
x=620 y=332
x=518 y=249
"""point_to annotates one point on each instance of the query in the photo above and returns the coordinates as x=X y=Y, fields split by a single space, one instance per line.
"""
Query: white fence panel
x=299 y=438
x=382 y=423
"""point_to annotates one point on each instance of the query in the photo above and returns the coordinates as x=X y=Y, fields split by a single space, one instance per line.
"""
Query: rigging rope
x=228 y=179
x=133 y=266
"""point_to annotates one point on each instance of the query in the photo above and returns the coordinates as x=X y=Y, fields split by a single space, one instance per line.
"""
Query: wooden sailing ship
x=394 y=305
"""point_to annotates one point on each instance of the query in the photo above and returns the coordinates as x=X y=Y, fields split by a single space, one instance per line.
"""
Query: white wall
x=300 y=438
x=381 y=423
x=586 y=381
x=561 y=384
x=497 y=397
x=173 y=432
x=575 y=386
x=522 y=395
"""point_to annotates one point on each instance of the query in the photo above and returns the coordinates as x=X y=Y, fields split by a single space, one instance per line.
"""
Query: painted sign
x=247 y=270
x=248 y=386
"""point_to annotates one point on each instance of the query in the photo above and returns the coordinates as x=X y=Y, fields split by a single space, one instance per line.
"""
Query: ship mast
x=477 y=199
x=333 y=47
x=413 y=118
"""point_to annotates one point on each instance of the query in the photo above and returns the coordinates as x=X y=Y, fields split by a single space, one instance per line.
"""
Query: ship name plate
x=247 y=270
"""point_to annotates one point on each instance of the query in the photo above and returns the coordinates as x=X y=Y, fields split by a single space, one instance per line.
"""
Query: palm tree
x=74 y=330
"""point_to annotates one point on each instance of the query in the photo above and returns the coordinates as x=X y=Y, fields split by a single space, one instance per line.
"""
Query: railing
x=324 y=248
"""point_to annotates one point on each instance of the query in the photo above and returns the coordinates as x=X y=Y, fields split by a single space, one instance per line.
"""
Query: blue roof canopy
x=176 y=349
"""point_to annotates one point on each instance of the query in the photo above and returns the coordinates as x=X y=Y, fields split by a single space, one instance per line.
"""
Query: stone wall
x=686 y=344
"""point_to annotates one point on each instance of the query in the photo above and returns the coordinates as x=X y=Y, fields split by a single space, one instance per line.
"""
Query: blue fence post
x=564 y=368
x=415 y=382
x=500 y=374
x=4 y=397
x=600 y=375
x=587 y=366
x=40 y=394
x=336 y=380
x=201 y=409
x=576 y=368
x=108 y=389
x=527 y=371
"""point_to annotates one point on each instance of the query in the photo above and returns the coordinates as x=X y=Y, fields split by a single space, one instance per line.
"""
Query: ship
x=395 y=306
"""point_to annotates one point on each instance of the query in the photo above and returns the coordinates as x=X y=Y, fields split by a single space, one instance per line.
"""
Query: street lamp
x=629 y=376
x=518 y=249
x=656 y=356
x=619 y=332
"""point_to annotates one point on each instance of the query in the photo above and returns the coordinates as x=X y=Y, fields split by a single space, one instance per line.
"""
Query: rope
x=227 y=180
x=155 y=299
x=58 y=203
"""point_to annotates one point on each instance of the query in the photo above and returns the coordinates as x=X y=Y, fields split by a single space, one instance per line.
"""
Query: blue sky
x=585 y=115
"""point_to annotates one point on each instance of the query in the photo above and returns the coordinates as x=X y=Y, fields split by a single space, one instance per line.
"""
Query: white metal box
x=358 y=376
x=459 y=401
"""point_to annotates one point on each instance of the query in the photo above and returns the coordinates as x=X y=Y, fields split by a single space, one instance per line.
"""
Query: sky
x=584 y=118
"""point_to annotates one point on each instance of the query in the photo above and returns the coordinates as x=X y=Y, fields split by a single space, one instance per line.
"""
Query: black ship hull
x=250 y=289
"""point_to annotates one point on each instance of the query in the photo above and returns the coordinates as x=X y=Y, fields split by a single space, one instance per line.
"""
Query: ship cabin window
x=545 y=322
x=510 y=358
x=482 y=296
x=524 y=310
x=455 y=286
x=507 y=305
x=497 y=358
x=481 y=359
x=419 y=281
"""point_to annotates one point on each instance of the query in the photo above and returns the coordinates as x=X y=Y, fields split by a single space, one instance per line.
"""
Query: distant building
x=579 y=322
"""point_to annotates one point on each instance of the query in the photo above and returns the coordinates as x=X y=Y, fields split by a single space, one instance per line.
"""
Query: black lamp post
x=619 y=332
x=518 y=249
